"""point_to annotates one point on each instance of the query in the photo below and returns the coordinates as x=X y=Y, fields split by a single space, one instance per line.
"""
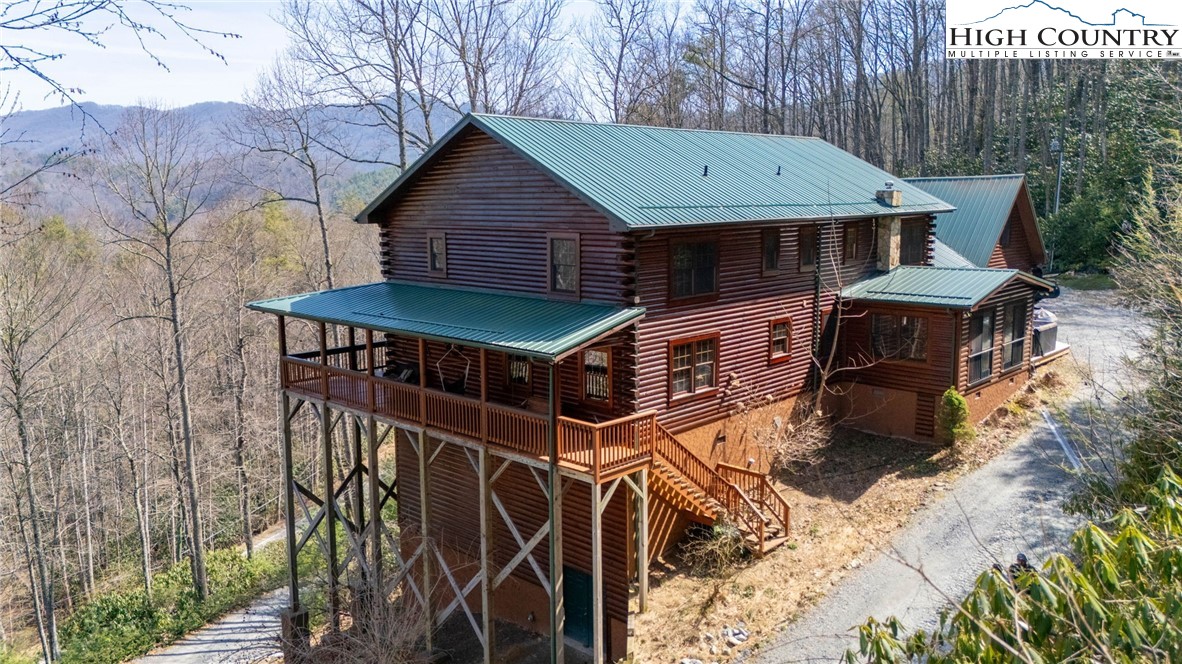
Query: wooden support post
x=289 y=514
x=557 y=608
x=423 y=382
x=484 y=396
x=486 y=552
x=642 y=538
x=371 y=386
x=324 y=362
x=351 y=337
x=330 y=517
x=375 y=514
x=282 y=336
x=425 y=534
x=598 y=656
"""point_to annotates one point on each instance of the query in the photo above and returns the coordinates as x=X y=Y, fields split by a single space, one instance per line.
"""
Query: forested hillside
x=137 y=401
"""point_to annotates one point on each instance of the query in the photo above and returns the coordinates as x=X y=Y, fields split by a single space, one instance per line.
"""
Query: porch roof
x=531 y=326
x=952 y=287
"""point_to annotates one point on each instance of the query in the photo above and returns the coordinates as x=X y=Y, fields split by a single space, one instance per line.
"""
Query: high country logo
x=1039 y=29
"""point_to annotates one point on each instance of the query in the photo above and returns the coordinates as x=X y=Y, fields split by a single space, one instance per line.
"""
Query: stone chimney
x=889 y=228
x=889 y=242
x=888 y=195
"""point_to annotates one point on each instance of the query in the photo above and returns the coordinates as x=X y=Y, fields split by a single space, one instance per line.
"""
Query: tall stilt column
x=425 y=527
x=294 y=621
x=642 y=538
x=597 y=614
x=486 y=553
x=557 y=610
x=330 y=521
x=375 y=514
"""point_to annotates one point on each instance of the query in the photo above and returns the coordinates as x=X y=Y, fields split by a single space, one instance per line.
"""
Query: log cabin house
x=583 y=334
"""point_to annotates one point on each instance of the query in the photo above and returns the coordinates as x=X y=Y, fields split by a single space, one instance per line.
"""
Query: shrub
x=123 y=624
x=952 y=418
x=714 y=551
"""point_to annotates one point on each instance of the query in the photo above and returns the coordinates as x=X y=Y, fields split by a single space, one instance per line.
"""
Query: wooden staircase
x=745 y=497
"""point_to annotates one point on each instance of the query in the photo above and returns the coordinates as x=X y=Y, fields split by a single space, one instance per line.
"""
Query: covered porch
x=506 y=371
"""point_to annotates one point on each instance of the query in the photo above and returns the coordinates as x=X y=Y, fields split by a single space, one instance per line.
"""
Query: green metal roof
x=543 y=329
x=648 y=177
x=945 y=256
x=952 y=287
x=983 y=205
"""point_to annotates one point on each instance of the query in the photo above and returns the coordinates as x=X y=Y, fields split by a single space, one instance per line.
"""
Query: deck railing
x=603 y=449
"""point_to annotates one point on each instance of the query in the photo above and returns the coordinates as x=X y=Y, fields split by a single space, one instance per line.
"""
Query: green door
x=577 y=594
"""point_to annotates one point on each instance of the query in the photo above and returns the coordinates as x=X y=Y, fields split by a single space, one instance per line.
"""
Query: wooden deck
x=602 y=450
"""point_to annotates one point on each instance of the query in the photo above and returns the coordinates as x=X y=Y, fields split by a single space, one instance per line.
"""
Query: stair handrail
x=738 y=506
x=764 y=493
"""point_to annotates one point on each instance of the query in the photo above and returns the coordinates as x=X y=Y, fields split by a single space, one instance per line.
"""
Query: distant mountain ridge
x=30 y=135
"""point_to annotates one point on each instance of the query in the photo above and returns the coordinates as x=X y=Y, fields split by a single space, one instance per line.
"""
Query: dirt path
x=1010 y=505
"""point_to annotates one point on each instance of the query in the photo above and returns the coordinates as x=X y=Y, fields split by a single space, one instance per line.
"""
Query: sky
x=121 y=73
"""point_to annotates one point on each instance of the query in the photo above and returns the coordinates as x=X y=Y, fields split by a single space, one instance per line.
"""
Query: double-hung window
x=694 y=268
x=1014 y=335
x=980 y=346
x=693 y=365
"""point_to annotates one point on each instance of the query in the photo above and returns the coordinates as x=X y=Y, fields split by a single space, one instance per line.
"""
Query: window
x=564 y=264
x=781 y=340
x=849 y=249
x=899 y=337
x=437 y=254
x=913 y=243
x=1015 y=335
x=1005 y=235
x=693 y=365
x=980 y=346
x=597 y=375
x=519 y=370
x=695 y=268
x=807 y=249
x=771 y=251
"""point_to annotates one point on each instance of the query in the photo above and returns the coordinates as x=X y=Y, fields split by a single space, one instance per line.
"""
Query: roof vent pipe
x=706 y=170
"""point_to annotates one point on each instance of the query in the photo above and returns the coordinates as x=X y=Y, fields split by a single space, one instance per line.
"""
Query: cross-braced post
x=486 y=548
x=557 y=609
x=641 y=496
x=330 y=520
x=597 y=614
x=425 y=530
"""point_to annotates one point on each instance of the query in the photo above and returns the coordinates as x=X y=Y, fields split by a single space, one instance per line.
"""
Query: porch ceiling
x=535 y=327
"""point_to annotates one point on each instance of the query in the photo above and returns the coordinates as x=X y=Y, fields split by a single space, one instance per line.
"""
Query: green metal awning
x=952 y=287
x=531 y=326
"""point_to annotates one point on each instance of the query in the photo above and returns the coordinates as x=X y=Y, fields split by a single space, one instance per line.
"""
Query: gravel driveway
x=1010 y=505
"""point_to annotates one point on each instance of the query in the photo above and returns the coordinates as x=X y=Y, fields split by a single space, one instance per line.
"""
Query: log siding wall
x=1017 y=255
x=495 y=210
x=748 y=299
